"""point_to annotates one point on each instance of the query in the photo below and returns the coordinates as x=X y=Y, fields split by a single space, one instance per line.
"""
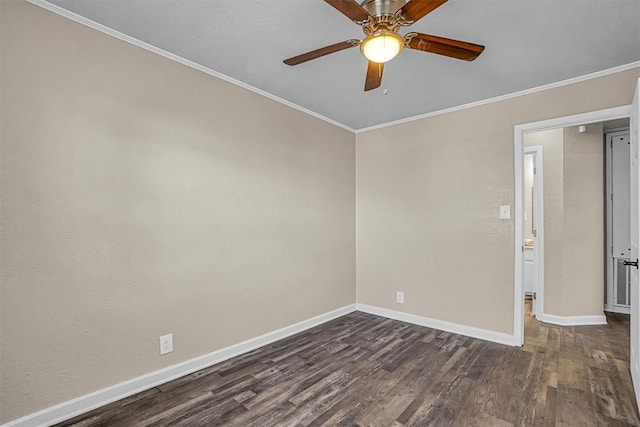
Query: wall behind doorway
x=573 y=220
x=584 y=223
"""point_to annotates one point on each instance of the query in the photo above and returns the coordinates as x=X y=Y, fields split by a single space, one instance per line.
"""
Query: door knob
x=633 y=263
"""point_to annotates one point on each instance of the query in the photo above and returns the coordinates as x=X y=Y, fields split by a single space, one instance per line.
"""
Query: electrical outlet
x=166 y=344
x=400 y=297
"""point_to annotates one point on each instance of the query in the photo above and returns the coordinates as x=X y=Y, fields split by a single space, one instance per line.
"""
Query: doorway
x=576 y=158
x=519 y=136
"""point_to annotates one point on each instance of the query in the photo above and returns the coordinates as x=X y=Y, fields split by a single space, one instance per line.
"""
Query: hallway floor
x=585 y=374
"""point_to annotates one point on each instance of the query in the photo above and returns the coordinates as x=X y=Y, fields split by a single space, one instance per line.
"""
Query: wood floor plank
x=366 y=370
x=548 y=413
x=446 y=405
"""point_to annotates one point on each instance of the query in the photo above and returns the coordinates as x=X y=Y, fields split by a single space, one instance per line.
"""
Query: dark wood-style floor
x=366 y=370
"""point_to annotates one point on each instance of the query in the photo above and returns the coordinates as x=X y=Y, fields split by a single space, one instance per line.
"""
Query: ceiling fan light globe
x=382 y=46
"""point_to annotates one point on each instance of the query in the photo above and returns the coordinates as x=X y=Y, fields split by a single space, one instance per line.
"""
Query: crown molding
x=561 y=83
x=132 y=40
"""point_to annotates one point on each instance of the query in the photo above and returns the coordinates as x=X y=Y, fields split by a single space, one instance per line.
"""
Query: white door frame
x=538 y=220
x=519 y=131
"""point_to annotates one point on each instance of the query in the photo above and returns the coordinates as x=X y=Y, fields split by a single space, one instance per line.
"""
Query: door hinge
x=535 y=233
x=535 y=295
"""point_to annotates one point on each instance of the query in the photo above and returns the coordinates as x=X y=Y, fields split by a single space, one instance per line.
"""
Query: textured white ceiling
x=529 y=43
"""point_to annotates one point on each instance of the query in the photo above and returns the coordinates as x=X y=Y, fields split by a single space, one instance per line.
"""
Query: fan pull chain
x=384 y=85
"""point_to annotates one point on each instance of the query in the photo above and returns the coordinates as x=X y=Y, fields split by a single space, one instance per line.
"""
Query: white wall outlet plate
x=166 y=344
x=400 y=297
x=505 y=212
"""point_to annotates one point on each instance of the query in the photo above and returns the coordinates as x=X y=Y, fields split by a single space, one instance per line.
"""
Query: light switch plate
x=505 y=212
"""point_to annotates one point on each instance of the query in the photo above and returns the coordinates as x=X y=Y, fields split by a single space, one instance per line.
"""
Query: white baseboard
x=617 y=309
x=88 y=402
x=599 y=319
x=455 y=328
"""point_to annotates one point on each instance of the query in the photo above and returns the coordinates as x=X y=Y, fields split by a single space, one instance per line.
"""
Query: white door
x=635 y=238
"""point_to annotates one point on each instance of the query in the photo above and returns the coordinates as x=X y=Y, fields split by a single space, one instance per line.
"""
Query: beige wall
x=428 y=199
x=573 y=219
x=141 y=197
x=584 y=224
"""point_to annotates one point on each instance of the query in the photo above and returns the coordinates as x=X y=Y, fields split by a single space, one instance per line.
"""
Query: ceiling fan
x=380 y=21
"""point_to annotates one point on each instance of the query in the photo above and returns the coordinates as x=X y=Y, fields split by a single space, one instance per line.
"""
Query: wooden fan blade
x=374 y=75
x=321 y=52
x=417 y=9
x=351 y=9
x=443 y=46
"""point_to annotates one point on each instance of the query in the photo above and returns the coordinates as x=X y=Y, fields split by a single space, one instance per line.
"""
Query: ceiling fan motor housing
x=382 y=7
x=384 y=15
